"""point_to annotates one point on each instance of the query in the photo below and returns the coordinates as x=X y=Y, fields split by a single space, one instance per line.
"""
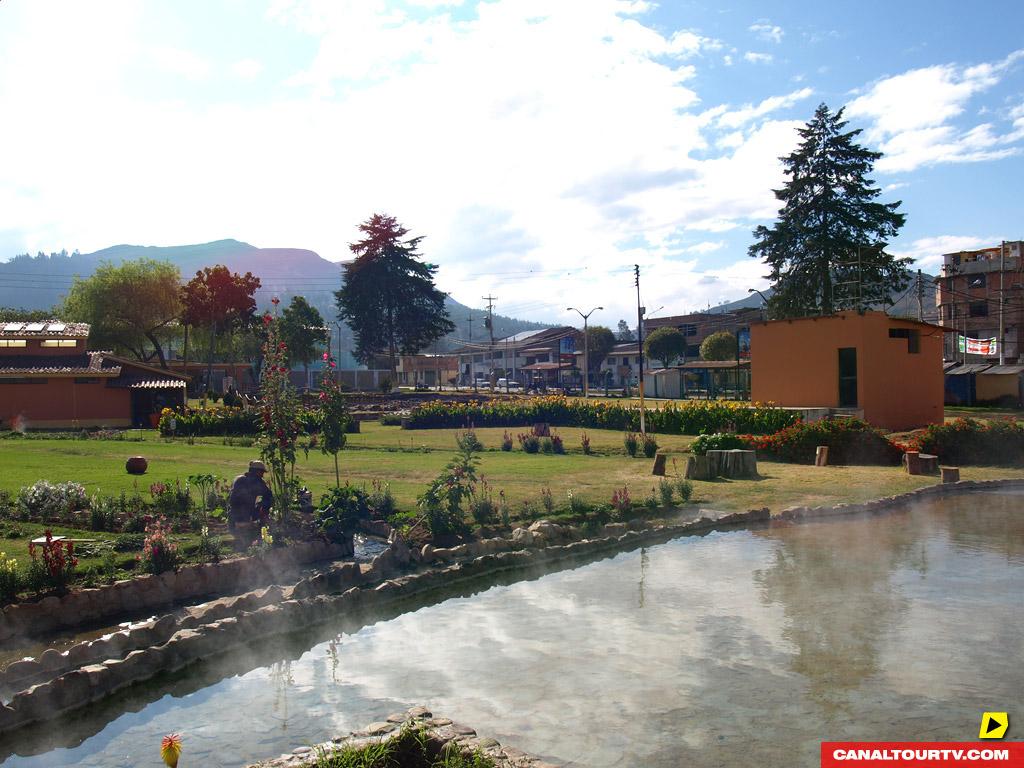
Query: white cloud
x=247 y=69
x=927 y=252
x=180 y=62
x=913 y=116
x=748 y=112
x=768 y=32
x=758 y=58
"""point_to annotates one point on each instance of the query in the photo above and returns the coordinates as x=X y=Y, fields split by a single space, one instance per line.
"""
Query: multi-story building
x=974 y=289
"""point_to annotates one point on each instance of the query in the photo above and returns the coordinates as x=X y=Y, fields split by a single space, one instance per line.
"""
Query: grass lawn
x=409 y=459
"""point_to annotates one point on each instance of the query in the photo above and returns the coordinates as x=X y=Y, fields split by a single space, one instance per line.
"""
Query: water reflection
x=737 y=648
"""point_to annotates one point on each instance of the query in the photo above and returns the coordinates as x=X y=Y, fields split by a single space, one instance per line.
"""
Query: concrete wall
x=991 y=387
x=60 y=402
x=796 y=363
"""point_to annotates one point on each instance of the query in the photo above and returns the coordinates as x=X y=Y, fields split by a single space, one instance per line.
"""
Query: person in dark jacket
x=250 y=498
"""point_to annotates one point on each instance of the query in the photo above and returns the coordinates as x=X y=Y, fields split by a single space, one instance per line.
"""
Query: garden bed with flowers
x=683 y=418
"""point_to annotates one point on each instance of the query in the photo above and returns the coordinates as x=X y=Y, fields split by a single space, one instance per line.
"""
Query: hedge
x=849 y=441
x=968 y=441
x=685 y=418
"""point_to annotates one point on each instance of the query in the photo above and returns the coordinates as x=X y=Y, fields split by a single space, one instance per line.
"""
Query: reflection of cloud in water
x=735 y=648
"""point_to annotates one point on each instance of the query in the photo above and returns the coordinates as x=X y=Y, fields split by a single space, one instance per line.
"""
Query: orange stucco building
x=886 y=368
x=48 y=380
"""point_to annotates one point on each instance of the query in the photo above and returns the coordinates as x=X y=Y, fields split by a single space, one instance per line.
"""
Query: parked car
x=509 y=384
x=482 y=383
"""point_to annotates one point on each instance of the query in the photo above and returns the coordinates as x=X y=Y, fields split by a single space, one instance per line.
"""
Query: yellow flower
x=170 y=749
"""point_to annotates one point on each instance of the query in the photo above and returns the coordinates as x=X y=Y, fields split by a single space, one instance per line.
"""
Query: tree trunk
x=188 y=379
x=159 y=349
x=209 y=359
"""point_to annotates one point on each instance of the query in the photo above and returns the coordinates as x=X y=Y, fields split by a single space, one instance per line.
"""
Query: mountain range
x=42 y=281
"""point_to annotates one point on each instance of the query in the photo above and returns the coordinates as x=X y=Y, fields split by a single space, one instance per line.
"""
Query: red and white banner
x=979 y=346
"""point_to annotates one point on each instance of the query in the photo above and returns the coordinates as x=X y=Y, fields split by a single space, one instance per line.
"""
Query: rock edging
x=147 y=592
x=441 y=734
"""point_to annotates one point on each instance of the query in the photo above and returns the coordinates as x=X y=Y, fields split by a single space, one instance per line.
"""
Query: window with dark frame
x=978 y=309
x=912 y=335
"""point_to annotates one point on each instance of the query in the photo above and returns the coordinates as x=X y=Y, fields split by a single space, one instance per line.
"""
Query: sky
x=541 y=147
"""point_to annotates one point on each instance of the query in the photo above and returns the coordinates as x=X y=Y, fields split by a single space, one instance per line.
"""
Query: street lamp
x=764 y=312
x=586 y=347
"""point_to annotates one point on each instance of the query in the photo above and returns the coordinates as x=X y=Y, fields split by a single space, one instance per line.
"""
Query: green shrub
x=11 y=580
x=381 y=501
x=467 y=440
x=340 y=511
x=129 y=542
x=442 y=503
x=506 y=441
x=967 y=441
x=159 y=554
x=529 y=442
x=650 y=446
x=849 y=441
x=685 y=489
x=717 y=441
x=666 y=491
x=632 y=443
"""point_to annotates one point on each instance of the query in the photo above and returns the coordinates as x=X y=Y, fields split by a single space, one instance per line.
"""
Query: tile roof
x=43 y=329
x=89 y=364
x=156 y=384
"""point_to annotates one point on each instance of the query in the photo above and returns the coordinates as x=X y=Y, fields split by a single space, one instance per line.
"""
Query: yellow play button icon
x=994 y=725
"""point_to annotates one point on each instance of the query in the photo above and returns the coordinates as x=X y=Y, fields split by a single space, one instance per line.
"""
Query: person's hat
x=257 y=465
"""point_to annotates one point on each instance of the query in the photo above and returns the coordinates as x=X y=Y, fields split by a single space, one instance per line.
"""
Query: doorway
x=848 y=377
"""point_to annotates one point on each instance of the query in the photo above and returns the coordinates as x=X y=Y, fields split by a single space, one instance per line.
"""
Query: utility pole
x=1002 y=324
x=640 y=345
x=920 y=297
x=489 y=322
x=472 y=375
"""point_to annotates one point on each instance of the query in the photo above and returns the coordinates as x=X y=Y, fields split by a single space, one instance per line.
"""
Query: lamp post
x=764 y=306
x=586 y=347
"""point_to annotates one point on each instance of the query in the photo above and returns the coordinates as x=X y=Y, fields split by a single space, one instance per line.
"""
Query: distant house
x=888 y=370
x=50 y=380
x=426 y=370
x=533 y=358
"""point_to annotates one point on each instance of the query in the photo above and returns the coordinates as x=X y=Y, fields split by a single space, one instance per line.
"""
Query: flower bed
x=967 y=441
x=223 y=421
x=685 y=418
x=849 y=441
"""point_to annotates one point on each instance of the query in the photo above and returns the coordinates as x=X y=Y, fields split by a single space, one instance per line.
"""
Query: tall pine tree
x=388 y=296
x=826 y=251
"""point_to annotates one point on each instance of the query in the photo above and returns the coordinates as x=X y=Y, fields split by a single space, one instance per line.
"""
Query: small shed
x=1001 y=385
x=961 y=383
x=889 y=368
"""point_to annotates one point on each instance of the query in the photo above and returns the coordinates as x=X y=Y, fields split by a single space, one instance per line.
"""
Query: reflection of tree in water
x=834 y=582
x=281 y=678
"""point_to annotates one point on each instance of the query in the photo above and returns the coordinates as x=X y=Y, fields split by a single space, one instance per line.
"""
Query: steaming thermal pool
x=738 y=648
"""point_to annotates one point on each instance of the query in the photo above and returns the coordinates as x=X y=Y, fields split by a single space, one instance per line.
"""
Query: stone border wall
x=441 y=732
x=148 y=592
x=350 y=587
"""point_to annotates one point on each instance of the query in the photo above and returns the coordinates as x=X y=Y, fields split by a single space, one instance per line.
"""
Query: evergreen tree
x=826 y=251
x=625 y=333
x=388 y=296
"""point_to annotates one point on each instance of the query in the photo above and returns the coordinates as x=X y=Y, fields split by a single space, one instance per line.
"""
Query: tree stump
x=821 y=456
x=928 y=463
x=697 y=468
x=541 y=429
x=659 y=465
x=950 y=474
x=912 y=462
x=736 y=463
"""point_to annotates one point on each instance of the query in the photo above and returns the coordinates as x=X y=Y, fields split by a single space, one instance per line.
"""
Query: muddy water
x=738 y=648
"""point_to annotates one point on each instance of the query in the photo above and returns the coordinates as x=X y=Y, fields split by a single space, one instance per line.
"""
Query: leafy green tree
x=12 y=315
x=334 y=408
x=830 y=221
x=388 y=296
x=666 y=345
x=600 y=342
x=302 y=329
x=132 y=307
x=720 y=345
x=625 y=333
